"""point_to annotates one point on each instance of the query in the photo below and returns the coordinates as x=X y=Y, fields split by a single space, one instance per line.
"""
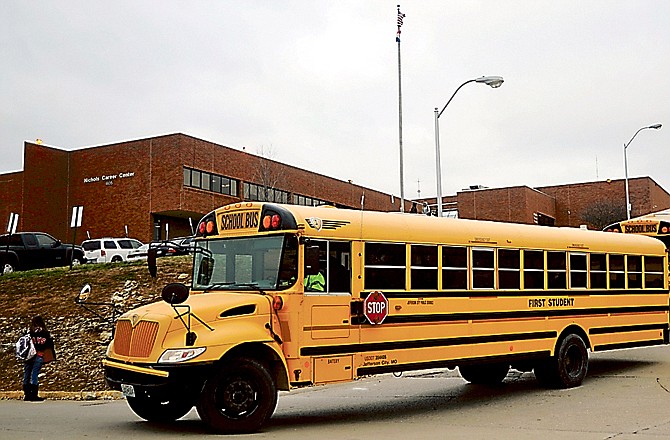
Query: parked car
x=168 y=248
x=138 y=254
x=106 y=250
x=183 y=245
x=35 y=250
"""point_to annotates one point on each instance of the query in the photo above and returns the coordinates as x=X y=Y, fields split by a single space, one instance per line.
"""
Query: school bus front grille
x=135 y=341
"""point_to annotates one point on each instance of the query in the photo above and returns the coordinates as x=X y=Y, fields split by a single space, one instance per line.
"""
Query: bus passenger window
x=598 y=271
x=384 y=266
x=634 y=271
x=509 y=269
x=578 y=279
x=454 y=268
x=424 y=267
x=339 y=267
x=483 y=268
x=653 y=272
x=556 y=278
x=617 y=272
x=533 y=269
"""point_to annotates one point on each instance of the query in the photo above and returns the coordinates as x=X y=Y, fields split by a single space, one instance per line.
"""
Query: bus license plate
x=128 y=390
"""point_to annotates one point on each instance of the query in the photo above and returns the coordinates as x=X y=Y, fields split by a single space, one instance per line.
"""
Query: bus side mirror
x=174 y=293
x=311 y=260
x=151 y=261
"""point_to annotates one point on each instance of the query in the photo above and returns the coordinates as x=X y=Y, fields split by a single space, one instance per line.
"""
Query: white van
x=105 y=250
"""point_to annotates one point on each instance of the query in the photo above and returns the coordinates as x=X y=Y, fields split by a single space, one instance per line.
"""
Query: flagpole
x=402 y=178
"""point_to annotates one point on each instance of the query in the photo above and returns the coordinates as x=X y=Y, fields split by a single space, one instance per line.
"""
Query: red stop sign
x=376 y=307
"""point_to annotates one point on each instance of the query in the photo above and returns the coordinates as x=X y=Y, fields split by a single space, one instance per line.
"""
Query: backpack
x=25 y=349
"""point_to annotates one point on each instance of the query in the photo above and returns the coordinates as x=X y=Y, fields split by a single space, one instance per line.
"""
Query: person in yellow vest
x=315 y=283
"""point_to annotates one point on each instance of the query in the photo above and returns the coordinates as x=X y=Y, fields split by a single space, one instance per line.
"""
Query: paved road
x=625 y=396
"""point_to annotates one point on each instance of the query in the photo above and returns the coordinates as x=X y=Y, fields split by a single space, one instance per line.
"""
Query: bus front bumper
x=164 y=380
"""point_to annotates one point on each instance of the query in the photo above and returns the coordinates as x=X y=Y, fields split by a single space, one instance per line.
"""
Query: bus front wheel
x=568 y=367
x=238 y=398
x=485 y=374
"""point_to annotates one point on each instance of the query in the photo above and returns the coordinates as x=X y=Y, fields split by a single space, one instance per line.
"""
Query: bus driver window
x=334 y=266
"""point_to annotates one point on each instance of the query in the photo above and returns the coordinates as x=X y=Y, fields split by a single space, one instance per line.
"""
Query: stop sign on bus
x=375 y=307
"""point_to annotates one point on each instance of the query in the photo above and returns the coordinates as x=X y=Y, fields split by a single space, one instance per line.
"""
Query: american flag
x=401 y=16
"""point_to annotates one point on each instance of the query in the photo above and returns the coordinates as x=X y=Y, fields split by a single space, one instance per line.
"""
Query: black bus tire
x=238 y=398
x=154 y=409
x=568 y=367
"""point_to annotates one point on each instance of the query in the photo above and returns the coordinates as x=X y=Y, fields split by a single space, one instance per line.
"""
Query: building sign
x=109 y=178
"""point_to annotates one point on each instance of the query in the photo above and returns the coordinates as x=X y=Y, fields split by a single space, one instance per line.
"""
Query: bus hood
x=209 y=307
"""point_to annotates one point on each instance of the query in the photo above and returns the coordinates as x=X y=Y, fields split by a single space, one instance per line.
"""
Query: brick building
x=152 y=187
x=158 y=186
x=560 y=205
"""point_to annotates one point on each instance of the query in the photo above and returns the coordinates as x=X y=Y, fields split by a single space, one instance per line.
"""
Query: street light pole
x=492 y=81
x=625 y=165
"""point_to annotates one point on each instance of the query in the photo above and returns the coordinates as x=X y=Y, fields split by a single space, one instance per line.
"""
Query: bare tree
x=267 y=175
x=603 y=213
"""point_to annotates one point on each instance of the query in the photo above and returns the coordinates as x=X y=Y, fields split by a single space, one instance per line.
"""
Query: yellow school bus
x=655 y=225
x=291 y=296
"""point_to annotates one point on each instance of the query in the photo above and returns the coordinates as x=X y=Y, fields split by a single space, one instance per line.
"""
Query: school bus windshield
x=249 y=263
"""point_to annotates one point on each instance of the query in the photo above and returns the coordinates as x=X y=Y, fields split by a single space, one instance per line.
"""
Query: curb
x=66 y=395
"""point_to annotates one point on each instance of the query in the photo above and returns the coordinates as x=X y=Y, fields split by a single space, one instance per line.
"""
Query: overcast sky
x=316 y=83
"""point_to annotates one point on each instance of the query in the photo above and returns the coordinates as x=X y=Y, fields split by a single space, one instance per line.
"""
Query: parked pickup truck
x=34 y=250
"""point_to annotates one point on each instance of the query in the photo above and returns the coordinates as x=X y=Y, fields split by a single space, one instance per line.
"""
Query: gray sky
x=316 y=83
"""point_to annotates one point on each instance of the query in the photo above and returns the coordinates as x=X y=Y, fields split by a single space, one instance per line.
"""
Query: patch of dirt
x=81 y=337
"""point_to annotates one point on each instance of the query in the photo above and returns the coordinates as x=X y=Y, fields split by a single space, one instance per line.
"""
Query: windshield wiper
x=215 y=285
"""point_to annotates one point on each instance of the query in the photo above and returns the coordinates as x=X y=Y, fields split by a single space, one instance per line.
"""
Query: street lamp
x=494 y=82
x=625 y=164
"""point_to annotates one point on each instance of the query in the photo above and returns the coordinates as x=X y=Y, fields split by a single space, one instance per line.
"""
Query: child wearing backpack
x=44 y=353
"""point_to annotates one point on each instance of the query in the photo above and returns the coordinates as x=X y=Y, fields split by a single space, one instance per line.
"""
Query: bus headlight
x=180 y=355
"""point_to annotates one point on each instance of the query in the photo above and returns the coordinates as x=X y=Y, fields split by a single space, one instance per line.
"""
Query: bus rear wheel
x=153 y=409
x=238 y=398
x=484 y=374
x=568 y=367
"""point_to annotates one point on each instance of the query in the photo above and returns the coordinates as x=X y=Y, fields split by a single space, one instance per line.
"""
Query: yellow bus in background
x=290 y=296
x=655 y=225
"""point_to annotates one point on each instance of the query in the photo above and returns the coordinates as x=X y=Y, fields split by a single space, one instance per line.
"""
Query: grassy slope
x=81 y=337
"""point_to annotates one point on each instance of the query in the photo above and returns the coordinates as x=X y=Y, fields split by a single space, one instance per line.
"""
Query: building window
x=260 y=193
x=307 y=201
x=187 y=177
x=216 y=183
x=210 y=182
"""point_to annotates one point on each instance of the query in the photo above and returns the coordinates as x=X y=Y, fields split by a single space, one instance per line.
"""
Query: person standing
x=44 y=346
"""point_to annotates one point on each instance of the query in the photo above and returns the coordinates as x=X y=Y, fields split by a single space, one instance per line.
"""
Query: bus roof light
x=276 y=221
